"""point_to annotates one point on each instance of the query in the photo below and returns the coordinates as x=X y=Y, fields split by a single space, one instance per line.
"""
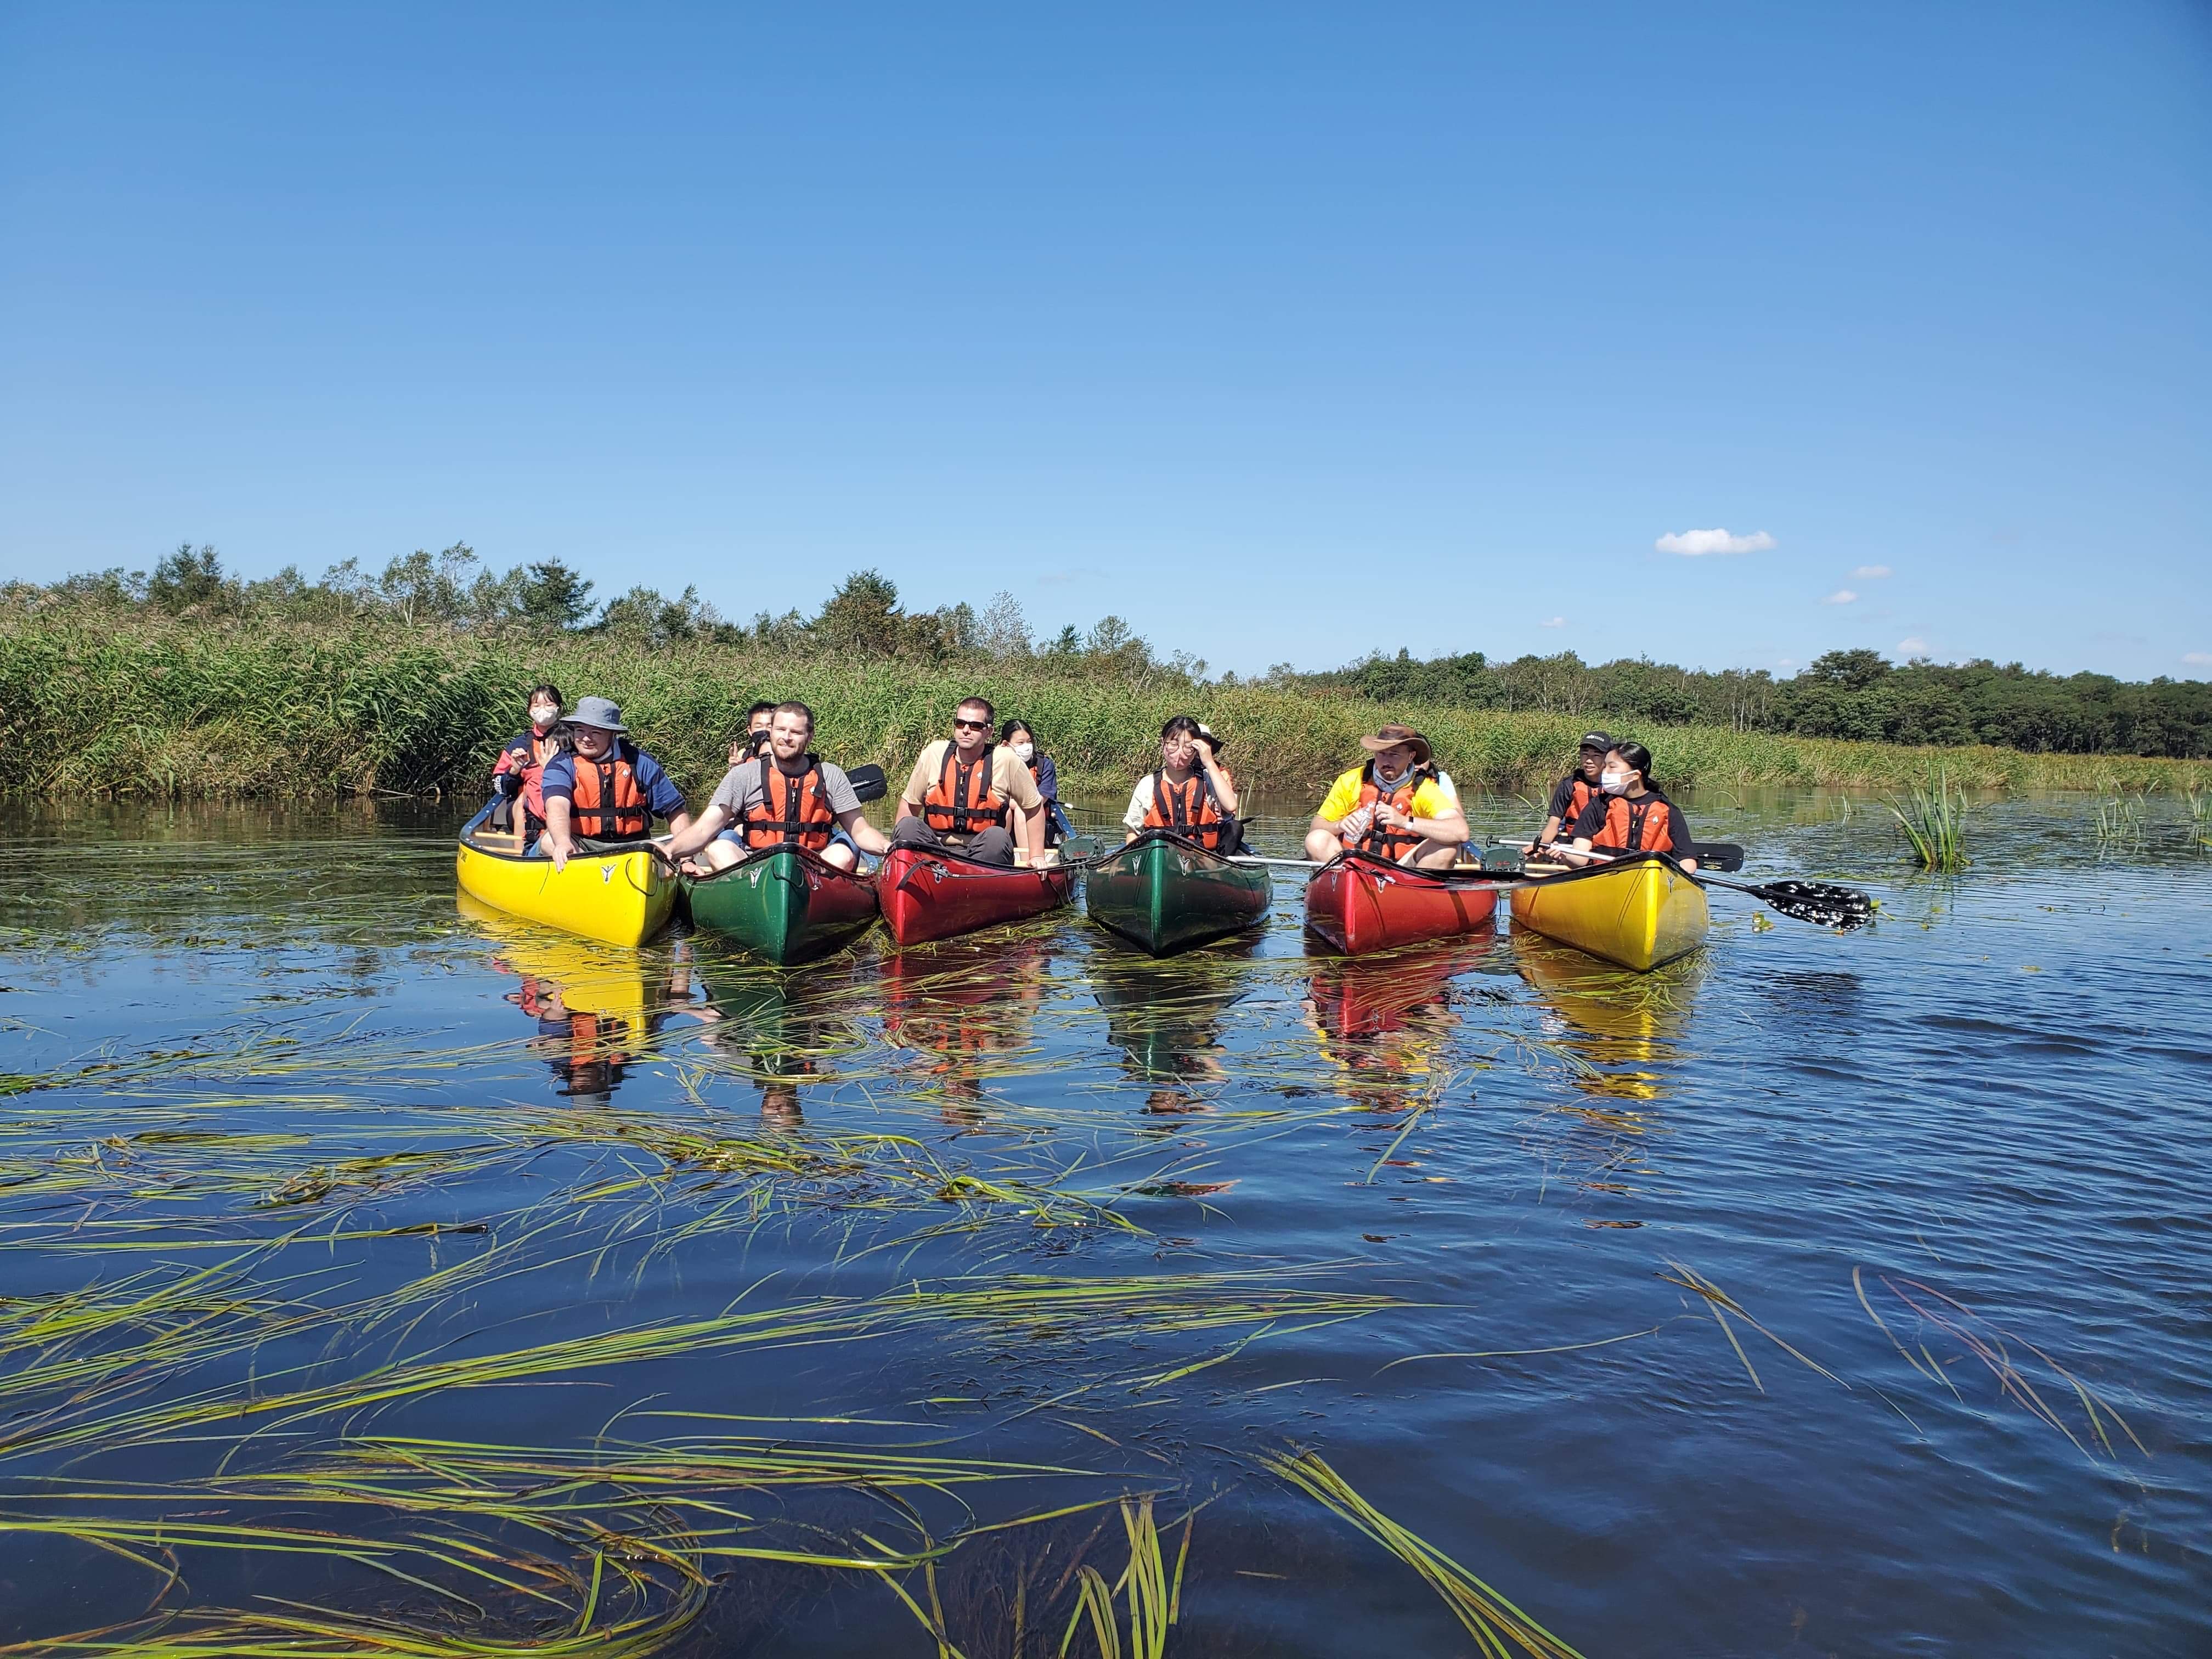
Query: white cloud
x=1696 y=544
x=1869 y=572
x=1561 y=622
x=1841 y=596
x=2198 y=659
x=1915 y=647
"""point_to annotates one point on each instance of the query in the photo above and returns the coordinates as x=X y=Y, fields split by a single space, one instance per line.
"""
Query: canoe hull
x=1167 y=894
x=785 y=904
x=1637 y=913
x=927 y=893
x=619 y=898
x=1359 y=903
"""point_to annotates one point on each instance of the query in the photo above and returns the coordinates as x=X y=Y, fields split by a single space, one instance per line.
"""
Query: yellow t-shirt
x=1431 y=798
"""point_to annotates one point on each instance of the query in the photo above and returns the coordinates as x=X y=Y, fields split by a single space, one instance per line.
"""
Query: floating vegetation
x=1933 y=1310
x=1720 y=1305
x=1933 y=818
x=2199 y=803
x=1494 y=1622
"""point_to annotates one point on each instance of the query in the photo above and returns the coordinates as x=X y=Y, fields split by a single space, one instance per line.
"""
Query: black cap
x=1599 y=740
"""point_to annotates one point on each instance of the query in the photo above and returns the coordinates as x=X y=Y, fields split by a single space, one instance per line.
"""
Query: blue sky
x=1283 y=331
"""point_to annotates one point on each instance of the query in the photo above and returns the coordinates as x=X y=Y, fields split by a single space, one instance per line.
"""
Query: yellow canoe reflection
x=1624 y=1023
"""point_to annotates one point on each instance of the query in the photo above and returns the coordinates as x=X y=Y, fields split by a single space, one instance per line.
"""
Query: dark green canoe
x=784 y=904
x=1166 y=894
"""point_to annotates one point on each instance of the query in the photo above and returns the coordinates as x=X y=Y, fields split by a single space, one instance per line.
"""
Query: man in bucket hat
x=1394 y=807
x=606 y=789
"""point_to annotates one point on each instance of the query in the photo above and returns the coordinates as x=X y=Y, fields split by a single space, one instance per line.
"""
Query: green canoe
x=784 y=904
x=1165 y=894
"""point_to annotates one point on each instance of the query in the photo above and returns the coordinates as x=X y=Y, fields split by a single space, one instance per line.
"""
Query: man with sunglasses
x=969 y=795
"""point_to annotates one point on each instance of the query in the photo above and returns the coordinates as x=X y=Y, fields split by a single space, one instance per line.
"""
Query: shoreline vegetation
x=191 y=683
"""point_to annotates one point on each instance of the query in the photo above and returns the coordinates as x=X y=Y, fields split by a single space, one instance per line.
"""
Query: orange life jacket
x=1191 y=810
x=1580 y=792
x=801 y=815
x=1638 y=826
x=1381 y=841
x=963 y=801
x=607 y=805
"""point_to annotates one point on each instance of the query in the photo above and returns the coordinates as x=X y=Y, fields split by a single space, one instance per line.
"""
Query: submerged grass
x=1498 y=1626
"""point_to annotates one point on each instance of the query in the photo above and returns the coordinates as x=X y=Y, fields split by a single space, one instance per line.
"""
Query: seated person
x=1630 y=815
x=1017 y=736
x=1573 y=792
x=519 y=772
x=789 y=795
x=753 y=740
x=969 y=795
x=1191 y=793
x=1394 y=807
x=604 y=789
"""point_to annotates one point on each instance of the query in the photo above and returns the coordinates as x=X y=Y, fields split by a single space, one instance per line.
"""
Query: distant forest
x=1845 y=693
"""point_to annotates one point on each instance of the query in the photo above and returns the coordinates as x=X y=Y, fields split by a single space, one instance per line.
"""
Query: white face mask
x=1025 y=751
x=1612 y=782
x=542 y=717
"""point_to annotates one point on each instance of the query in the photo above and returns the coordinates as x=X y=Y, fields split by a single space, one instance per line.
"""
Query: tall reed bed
x=184 y=709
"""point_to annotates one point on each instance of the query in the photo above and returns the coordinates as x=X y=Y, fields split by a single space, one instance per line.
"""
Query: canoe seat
x=494 y=840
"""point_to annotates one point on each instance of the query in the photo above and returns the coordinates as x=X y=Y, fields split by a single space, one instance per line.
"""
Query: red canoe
x=929 y=894
x=1360 y=903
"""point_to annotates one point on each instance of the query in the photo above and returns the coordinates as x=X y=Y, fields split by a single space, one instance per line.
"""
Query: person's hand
x=1354 y=825
x=1391 y=817
x=560 y=856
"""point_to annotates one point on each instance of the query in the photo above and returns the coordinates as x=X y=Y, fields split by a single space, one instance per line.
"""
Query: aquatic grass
x=1933 y=819
x=1720 y=1305
x=1992 y=1346
x=1495 y=1623
x=1154 y=1599
x=2198 y=802
x=2118 y=823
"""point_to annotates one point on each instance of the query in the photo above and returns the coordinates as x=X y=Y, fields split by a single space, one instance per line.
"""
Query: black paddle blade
x=867 y=781
x=1724 y=856
x=1822 y=904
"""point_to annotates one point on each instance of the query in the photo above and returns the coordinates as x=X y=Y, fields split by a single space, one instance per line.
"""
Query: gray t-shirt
x=742 y=787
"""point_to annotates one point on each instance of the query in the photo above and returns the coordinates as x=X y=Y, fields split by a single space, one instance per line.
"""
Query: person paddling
x=1630 y=814
x=969 y=795
x=604 y=789
x=789 y=795
x=519 y=772
x=1191 y=794
x=1394 y=807
x=1575 y=790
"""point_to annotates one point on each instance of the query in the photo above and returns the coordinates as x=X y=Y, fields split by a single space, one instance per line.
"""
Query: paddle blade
x=1724 y=856
x=867 y=781
x=1822 y=904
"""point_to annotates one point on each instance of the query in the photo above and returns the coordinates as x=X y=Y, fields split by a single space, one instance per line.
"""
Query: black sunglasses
x=974 y=726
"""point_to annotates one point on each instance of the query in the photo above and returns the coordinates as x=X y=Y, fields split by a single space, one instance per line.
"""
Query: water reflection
x=596 y=1007
x=961 y=1005
x=1624 y=1026
x=1383 y=1022
x=1167 y=1017
x=786 y=1024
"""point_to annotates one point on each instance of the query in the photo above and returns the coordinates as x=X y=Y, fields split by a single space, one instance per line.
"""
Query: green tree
x=552 y=597
x=188 y=580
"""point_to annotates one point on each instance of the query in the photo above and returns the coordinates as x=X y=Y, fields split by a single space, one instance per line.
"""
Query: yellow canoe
x=622 y=898
x=1637 y=912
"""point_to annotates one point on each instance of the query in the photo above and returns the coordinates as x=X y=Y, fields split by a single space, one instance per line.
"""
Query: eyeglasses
x=971 y=725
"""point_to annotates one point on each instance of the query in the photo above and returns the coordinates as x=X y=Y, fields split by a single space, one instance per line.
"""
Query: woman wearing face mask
x=1190 y=794
x=1017 y=737
x=1631 y=815
x=520 y=770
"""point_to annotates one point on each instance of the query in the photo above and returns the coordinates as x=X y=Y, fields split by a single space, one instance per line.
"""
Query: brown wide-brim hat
x=1391 y=736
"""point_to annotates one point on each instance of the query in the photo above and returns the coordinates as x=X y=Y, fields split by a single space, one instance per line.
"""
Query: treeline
x=455 y=591
x=1851 y=695
x=1856 y=695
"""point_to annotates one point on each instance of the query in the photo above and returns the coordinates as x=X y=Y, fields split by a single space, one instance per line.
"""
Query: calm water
x=504 y=1285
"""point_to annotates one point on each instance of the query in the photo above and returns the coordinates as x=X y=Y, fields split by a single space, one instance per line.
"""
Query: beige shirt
x=1010 y=779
